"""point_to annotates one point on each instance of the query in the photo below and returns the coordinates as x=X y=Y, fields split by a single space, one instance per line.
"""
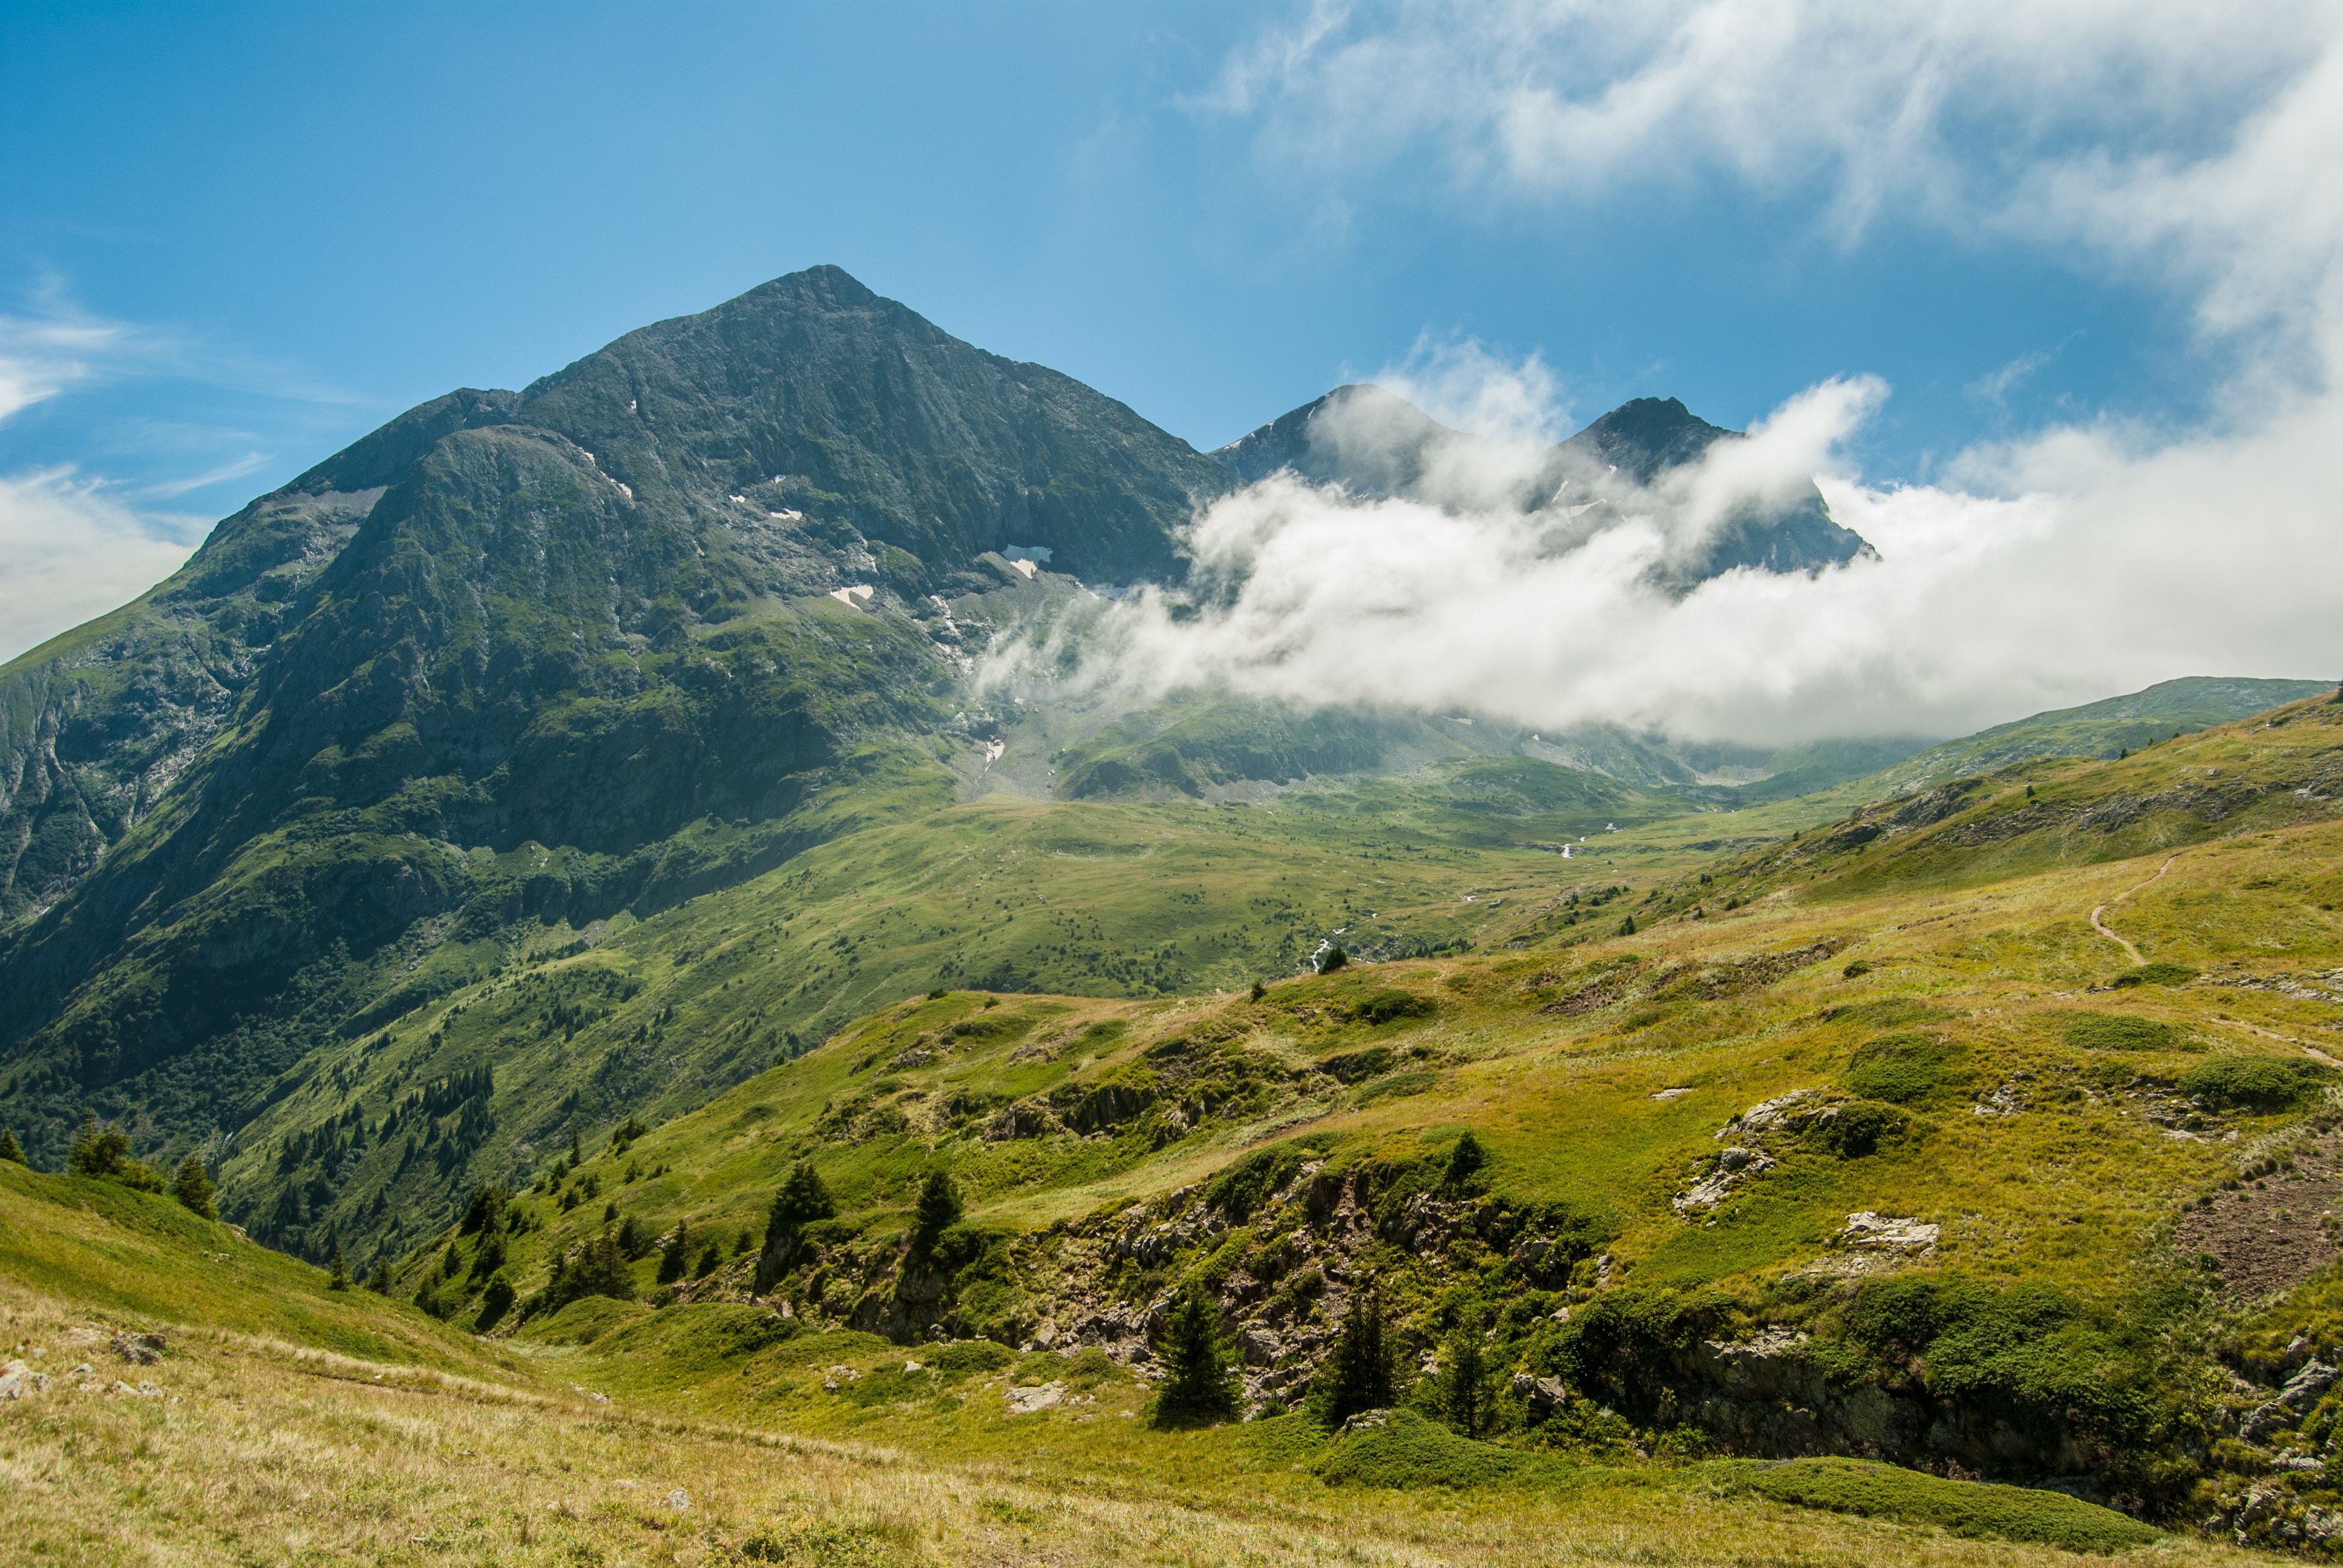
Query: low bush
x=1409 y=1452
x=1387 y=1006
x=1858 y=1128
x=2153 y=974
x=1969 y=1508
x=2119 y=1032
x=964 y=1359
x=1903 y=1068
x=2264 y=1083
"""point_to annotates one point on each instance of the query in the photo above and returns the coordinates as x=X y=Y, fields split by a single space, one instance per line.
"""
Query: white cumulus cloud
x=2176 y=144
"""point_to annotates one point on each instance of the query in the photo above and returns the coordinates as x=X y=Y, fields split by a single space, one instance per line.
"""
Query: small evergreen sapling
x=1200 y=1384
x=8 y=1149
x=193 y=1187
x=1461 y=1394
x=938 y=1209
x=802 y=1201
x=338 y=1275
x=672 y=1259
x=1358 y=1376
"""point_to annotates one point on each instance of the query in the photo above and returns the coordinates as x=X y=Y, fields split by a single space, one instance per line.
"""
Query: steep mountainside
x=565 y=625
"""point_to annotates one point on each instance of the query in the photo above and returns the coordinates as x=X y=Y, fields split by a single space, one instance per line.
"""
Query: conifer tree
x=937 y=1208
x=802 y=1201
x=339 y=1278
x=1200 y=1382
x=1461 y=1396
x=671 y=1258
x=1357 y=1373
x=193 y=1187
x=8 y=1149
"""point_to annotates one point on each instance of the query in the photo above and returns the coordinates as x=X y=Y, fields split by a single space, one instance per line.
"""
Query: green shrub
x=1859 y=1127
x=1386 y=1006
x=2153 y=974
x=2116 y=1031
x=2029 y=1356
x=1855 y=970
x=969 y=1357
x=1351 y=1066
x=1396 y=1086
x=2263 y=1083
x=1408 y=1452
x=1963 y=1507
x=1624 y=1346
x=1903 y=1069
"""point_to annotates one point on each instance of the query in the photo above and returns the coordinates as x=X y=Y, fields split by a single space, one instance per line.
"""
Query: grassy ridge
x=271 y=1445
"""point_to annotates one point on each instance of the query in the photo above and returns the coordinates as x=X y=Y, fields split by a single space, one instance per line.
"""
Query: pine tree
x=193 y=1187
x=1336 y=959
x=8 y=1150
x=380 y=1281
x=937 y=1208
x=1461 y=1395
x=1357 y=1373
x=671 y=1258
x=802 y=1201
x=1464 y=1161
x=1200 y=1382
x=98 y=1151
x=1627 y=927
x=339 y=1279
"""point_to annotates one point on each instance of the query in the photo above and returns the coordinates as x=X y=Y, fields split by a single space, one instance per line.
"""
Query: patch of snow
x=860 y=594
x=1026 y=567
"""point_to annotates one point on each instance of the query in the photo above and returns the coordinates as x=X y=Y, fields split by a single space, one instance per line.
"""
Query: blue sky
x=232 y=237
x=337 y=211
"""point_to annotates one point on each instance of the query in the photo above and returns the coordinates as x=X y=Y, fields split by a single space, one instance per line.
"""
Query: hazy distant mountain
x=1372 y=443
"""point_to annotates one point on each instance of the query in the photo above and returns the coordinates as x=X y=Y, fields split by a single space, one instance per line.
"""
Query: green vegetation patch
x=1409 y=1452
x=2117 y=1031
x=1905 y=1068
x=2153 y=974
x=2265 y=1083
x=1973 y=1508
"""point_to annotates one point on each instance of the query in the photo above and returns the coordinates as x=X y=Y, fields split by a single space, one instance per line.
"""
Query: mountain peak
x=1645 y=436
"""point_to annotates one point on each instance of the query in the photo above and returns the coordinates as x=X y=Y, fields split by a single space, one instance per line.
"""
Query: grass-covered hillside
x=180 y=1395
x=1852 y=1148
x=2001 y=1142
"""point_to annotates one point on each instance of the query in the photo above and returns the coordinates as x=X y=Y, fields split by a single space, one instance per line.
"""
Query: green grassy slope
x=1960 y=1063
x=280 y=1421
x=2100 y=729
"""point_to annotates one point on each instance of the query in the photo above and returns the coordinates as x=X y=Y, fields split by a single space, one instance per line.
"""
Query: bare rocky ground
x=2275 y=1228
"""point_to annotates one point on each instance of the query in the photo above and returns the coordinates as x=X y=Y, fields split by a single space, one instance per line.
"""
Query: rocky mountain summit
x=1372 y=443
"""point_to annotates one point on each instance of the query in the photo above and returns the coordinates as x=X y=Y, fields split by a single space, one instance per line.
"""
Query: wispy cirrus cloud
x=75 y=545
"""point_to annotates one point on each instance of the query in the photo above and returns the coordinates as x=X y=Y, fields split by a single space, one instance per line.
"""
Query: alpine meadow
x=803 y=943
